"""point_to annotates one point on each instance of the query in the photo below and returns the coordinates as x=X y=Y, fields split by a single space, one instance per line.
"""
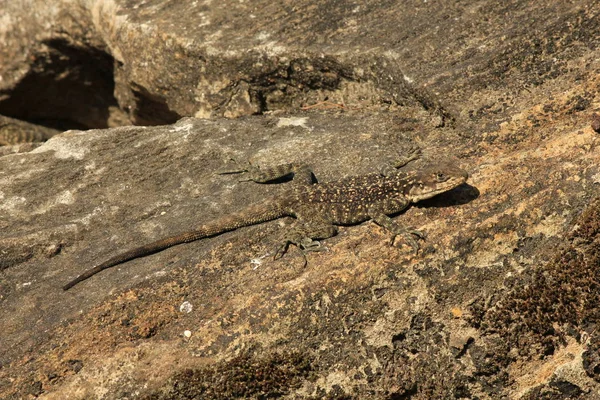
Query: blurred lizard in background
x=14 y=131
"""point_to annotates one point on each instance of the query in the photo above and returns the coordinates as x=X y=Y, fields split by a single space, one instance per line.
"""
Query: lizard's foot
x=281 y=250
x=410 y=236
x=413 y=153
x=308 y=245
x=248 y=169
x=305 y=244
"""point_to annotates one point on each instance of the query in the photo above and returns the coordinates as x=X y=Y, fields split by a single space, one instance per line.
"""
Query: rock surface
x=502 y=301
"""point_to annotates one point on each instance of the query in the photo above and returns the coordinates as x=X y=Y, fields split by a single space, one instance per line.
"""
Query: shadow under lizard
x=317 y=207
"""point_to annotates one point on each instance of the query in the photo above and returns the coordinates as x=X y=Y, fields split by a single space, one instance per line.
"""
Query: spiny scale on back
x=318 y=207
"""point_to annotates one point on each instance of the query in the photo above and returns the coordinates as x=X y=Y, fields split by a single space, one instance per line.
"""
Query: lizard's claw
x=419 y=234
x=281 y=250
x=249 y=169
x=409 y=237
x=309 y=245
x=413 y=153
x=305 y=244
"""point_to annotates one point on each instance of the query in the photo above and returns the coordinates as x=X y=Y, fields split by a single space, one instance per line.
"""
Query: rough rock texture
x=502 y=301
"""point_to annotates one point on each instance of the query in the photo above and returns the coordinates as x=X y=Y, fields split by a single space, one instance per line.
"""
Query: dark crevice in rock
x=151 y=109
x=67 y=87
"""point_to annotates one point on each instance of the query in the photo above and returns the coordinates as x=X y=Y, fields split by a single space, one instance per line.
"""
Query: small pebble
x=187 y=334
x=186 y=307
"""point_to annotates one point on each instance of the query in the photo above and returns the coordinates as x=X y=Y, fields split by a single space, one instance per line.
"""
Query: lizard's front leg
x=378 y=213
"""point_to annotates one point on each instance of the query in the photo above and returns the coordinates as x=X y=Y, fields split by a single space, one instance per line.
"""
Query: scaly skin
x=318 y=207
x=13 y=131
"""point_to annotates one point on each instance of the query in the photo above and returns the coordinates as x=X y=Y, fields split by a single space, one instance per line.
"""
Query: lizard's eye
x=441 y=177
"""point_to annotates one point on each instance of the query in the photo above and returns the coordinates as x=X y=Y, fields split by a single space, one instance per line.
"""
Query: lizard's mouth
x=423 y=193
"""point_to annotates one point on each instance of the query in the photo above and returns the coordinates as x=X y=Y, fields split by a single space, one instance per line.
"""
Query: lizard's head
x=434 y=180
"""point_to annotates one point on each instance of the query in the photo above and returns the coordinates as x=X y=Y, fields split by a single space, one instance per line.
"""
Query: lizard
x=318 y=207
x=13 y=131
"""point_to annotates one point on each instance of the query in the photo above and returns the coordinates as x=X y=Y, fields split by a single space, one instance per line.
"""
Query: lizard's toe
x=309 y=245
x=280 y=250
x=419 y=234
x=410 y=237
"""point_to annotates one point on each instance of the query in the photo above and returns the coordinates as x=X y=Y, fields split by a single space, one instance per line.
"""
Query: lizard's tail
x=252 y=215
